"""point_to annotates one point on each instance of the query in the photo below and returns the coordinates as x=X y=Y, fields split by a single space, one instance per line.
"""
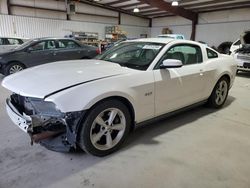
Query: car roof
x=53 y=38
x=163 y=40
x=13 y=37
x=171 y=35
x=156 y=40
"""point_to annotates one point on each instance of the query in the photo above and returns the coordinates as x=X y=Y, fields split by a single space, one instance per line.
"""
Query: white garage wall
x=213 y=28
x=57 y=5
x=29 y=19
x=31 y=27
x=134 y=21
x=31 y=12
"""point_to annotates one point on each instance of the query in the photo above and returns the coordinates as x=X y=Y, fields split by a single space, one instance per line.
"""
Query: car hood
x=45 y=80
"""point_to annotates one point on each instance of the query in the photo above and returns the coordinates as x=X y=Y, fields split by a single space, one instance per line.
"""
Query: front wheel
x=105 y=128
x=14 y=68
x=219 y=94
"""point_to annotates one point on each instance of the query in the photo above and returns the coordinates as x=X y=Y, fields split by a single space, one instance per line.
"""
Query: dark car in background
x=44 y=50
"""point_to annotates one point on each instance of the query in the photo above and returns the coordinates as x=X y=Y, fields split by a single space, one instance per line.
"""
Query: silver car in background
x=8 y=43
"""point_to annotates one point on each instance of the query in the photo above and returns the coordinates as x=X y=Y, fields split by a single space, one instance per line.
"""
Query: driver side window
x=44 y=45
x=187 y=53
x=38 y=46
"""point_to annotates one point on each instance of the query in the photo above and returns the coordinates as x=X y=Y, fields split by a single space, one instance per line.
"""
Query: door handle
x=54 y=53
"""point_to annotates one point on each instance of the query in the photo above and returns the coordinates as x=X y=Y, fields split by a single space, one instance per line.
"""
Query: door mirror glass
x=171 y=63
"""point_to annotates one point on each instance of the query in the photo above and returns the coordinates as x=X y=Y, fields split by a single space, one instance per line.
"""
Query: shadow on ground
x=243 y=74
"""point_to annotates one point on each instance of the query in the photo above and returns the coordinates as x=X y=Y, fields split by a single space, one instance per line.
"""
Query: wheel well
x=12 y=62
x=124 y=101
x=86 y=57
x=227 y=77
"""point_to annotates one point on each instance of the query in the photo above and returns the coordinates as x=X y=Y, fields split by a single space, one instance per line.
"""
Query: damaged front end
x=44 y=123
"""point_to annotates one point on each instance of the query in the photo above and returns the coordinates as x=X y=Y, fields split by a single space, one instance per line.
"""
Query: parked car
x=172 y=36
x=235 y=46
x=95 y=103
x=44 y=50
x=242 y=54
x=7 y=43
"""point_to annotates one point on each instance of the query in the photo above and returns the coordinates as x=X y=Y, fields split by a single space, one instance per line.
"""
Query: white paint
x=104 y=79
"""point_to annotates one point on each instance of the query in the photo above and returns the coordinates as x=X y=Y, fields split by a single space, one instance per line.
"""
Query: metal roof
x=148 y=10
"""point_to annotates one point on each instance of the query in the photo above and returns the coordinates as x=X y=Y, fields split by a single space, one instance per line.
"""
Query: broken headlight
x=41 y=107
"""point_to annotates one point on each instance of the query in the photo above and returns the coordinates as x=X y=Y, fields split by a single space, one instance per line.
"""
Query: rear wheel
x=13 y=68
x=105 y=128
x=219 y=94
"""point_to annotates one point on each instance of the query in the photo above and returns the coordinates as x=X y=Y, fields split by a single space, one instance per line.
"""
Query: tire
x=219 y=94
x=105 y=128
x=85 y=57
x=13 y=68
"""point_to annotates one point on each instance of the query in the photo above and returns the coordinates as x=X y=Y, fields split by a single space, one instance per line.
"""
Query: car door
x=176 y=88
x=68 y=50
x=40 y=53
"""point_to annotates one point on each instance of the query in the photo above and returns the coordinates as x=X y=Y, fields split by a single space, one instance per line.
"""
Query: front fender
x=82 y=97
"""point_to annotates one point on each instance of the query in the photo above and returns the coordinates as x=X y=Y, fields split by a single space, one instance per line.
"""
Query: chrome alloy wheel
x=221 y=92
x=108 y=129
x=15 y=68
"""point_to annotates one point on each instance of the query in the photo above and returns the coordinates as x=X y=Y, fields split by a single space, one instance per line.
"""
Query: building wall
x=31 y=27
x=30 y=19
x=213 y=27
x=3 y=7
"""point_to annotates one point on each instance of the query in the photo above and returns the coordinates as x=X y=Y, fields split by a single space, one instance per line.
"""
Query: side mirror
x=171 y=63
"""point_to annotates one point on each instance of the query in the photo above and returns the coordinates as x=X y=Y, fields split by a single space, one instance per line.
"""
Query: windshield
x=24 y=45
x=136 y=55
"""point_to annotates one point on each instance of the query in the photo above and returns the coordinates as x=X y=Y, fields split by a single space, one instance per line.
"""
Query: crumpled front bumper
x=22 y=121
x=55 y=133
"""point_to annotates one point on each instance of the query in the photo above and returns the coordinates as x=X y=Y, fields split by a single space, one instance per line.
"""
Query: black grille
x=21 y=104
x=18 y=102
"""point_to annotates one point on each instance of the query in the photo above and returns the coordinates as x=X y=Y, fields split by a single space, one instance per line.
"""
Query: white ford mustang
x=94 y=104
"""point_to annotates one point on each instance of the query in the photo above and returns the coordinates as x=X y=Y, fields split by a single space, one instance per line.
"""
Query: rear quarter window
x=211 y=54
